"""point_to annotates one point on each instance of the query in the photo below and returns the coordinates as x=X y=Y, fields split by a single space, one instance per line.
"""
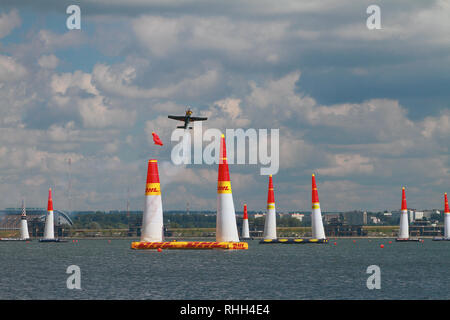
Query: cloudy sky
x=368 y=111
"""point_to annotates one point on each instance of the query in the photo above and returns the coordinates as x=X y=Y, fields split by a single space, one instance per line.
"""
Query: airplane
x=187 y=119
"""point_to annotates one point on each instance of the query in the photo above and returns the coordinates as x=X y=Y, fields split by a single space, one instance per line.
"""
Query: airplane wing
x=192 y=119
x=179 y=118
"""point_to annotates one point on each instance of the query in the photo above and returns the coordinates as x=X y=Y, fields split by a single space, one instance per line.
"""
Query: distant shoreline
x=212 y=238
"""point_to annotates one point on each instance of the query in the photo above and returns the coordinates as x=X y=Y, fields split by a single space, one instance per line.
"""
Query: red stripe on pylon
x=446 y=210
x=245 y=212
x=315 y=194
x=404 y=205
x=50 y=201
x=152 y=171
x=270 y=194
x=224 y=173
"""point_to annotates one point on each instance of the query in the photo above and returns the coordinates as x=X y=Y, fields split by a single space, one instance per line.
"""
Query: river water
x=111 y=270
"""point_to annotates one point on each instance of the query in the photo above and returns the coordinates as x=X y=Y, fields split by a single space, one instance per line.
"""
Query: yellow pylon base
x=291 y=241
x=190 y=245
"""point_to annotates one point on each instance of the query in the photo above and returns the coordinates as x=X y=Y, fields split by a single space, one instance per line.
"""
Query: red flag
x=156 y=139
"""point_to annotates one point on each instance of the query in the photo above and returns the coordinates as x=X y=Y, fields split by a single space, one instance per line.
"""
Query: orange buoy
x=335 y=243
x=381 y=245
x=159 y=250
x=390 y=242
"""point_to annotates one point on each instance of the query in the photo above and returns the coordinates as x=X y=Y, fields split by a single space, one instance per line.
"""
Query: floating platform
x=52 y=240
x=408 y=240
x=441 y=239
x=192 y=245
x=294 y=241
x=14 y=239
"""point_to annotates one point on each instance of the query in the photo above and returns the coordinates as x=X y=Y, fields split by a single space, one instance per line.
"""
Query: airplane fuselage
x=187 y=120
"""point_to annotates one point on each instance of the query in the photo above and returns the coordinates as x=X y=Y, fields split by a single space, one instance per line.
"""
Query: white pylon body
x=404 y=221
x=23 y=224
x=447 y=225
x=245 y=227
x=226 y=228
x=446 y=218
x=49 y=229
x=318 y=231
x=404 y=225
x=24 y=230
x=270 y=224
x=152 y=219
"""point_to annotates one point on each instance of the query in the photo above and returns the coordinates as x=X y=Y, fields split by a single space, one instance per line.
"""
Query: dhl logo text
x=153 y=189
x=224 y=187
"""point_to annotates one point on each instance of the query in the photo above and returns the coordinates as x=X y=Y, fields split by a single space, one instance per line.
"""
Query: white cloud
x=10 y=69
x=52 y=41
x=430 y=24
x=95 y=114
x=61 y=82
x=48 y=61
x=8 y=22
x=348 y=164
x=230 y=106
x=119 y=82
x=277 y=101
x=238 y=39
x=437 y=126
x=380 y=119
x=63 y=133
x=111 y=147
x=158 y=34
x=93 y=109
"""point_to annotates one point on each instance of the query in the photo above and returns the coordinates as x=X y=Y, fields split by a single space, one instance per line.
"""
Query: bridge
x=10 y=217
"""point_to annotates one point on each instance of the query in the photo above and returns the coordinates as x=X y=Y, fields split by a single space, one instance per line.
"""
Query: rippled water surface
x=274 y=271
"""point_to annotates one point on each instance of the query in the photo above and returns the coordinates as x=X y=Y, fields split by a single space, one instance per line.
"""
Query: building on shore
x=345 y=230
x=298 y=216
x=337 y=225
x=424 y=228
x=332 y=219
x=355 y=218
